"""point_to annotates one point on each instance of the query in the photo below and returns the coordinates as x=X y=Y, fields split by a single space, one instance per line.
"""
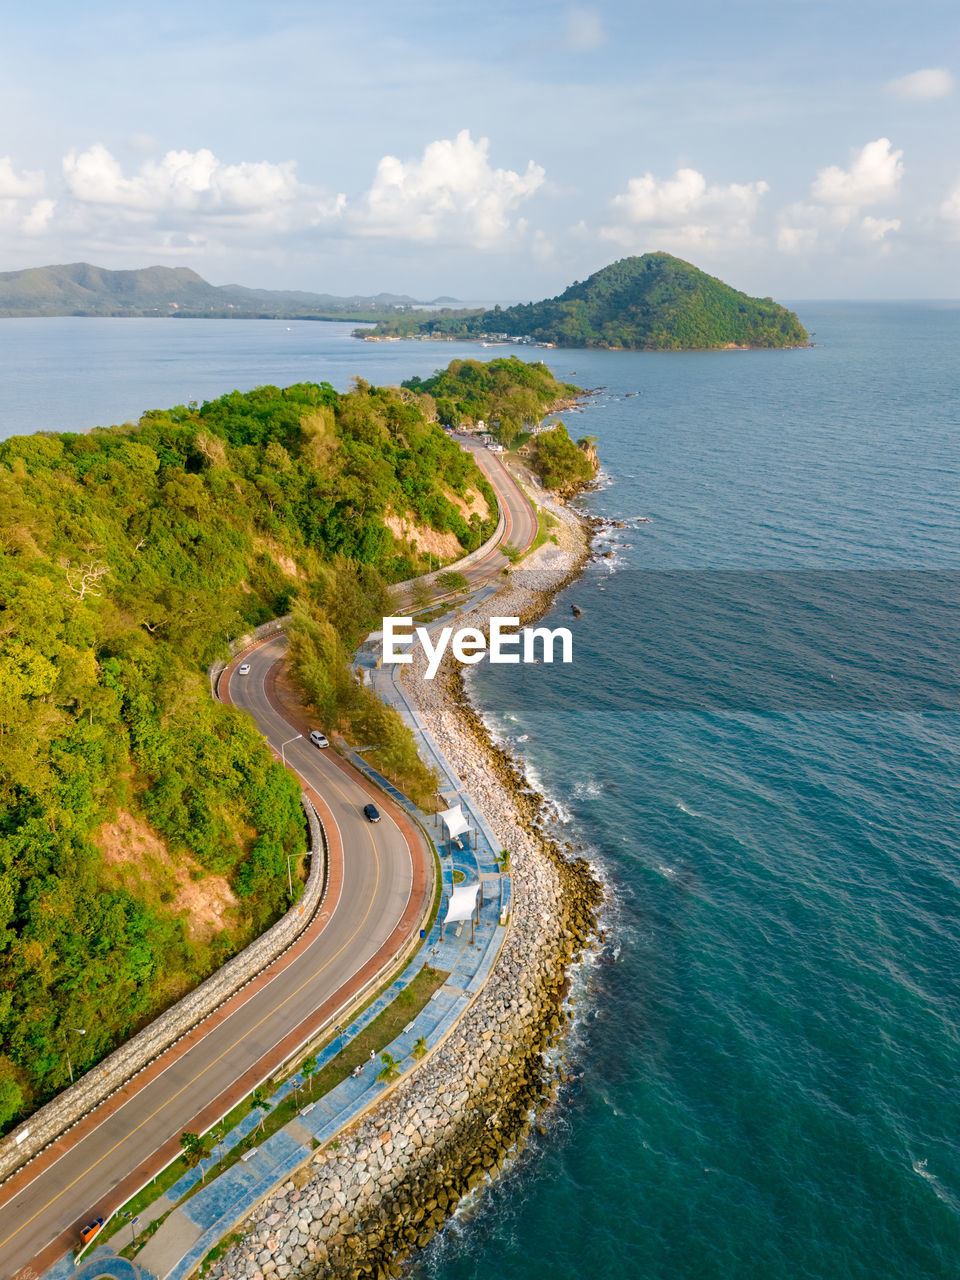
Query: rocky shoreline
x=391 y=1181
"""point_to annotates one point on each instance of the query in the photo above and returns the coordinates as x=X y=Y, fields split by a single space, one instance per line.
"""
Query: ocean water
x=69 y=373
x=758 y=744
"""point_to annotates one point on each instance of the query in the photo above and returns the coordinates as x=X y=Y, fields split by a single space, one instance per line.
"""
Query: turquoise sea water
x=768 y=1053
x=760 y=755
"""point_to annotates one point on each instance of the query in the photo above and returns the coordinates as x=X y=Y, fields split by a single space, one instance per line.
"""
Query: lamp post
x=284 y=745
x=290 y=857
x=81 y=1031
x=133 y=1231
x=340 y=1031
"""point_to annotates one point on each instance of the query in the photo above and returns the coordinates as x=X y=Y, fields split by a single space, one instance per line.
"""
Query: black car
x=371 y=813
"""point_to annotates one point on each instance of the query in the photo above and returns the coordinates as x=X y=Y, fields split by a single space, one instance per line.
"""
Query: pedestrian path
x=465 y=953
x=102 y=1262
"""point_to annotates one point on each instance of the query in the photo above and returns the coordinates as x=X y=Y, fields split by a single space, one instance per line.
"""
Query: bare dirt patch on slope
x=139 y=860
x=446 y=546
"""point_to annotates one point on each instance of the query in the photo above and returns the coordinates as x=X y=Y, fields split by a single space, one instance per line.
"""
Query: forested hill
x=513 y=393
x=144 y=830
x=651 y=303
x=77 y=288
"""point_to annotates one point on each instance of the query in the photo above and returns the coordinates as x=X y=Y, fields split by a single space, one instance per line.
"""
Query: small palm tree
x=390 y=1069
x=308 y=1069
x=420 y=1048
x=194 y=1149
x=260 y=1102
x=502 y=860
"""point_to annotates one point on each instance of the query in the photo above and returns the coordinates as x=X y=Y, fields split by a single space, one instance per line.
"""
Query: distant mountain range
x=79 y=289
x=650 y=303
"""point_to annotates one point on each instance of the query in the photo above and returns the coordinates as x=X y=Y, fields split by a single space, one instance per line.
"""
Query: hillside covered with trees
x=128 y=558
x=651 y=303
x=81 y=289
x=508 y=393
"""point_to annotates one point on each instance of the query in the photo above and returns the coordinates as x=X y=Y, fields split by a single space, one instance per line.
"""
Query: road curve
x=520 y=517
x=381 y=875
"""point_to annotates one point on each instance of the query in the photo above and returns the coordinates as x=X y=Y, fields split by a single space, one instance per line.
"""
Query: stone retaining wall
x=73 y=1104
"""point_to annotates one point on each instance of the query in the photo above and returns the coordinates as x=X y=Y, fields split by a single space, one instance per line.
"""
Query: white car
x=243 y=669
x=319 y=739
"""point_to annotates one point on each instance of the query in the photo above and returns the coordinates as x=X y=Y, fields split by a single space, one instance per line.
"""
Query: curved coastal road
x=380 y=878
x=520 y=518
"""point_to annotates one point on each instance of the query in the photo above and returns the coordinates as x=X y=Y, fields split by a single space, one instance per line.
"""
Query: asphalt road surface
x=521 y=519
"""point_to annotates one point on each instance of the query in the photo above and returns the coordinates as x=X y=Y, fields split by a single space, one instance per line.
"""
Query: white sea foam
x=936 y=1186
x=691 y=813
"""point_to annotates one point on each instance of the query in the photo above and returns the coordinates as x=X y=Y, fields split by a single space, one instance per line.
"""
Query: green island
x=650 y=303
x=145 y=829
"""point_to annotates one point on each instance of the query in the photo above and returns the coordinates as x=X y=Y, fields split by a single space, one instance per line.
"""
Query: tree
x=452 y=580
x=390 y=1069
x=420 y=1048
x=558 y=462
x=421 y=595
x=260 y=1102
x=194 y=1149
x=11 y=1099
x=308 y=1069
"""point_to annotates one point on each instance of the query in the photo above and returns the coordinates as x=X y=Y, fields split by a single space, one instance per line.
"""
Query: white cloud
x=37 y=220
x=584 y=30
x=19 y=186
x=874 y=174
x=194 y=181
x=792 y=239
x=683 y=212
x=876 y=229
x=922 y=86
x=838 y=195
x=451 y=194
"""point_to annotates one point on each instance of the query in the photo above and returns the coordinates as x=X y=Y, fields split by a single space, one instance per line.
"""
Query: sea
x=757 y=745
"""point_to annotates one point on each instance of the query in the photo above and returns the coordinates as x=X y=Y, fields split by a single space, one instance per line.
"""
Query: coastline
x=390 y=1181
x=560 y=346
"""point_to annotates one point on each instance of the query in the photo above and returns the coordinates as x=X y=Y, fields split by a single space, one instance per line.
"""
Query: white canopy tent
x=455 y=822
x=462 y=906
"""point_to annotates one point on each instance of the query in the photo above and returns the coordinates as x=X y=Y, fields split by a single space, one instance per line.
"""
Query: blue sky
x=804 y=148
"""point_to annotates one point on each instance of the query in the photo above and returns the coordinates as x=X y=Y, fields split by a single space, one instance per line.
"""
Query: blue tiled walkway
x=101 y=1262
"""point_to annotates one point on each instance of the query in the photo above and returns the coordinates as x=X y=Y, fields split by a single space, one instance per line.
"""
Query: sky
x=795 y=148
